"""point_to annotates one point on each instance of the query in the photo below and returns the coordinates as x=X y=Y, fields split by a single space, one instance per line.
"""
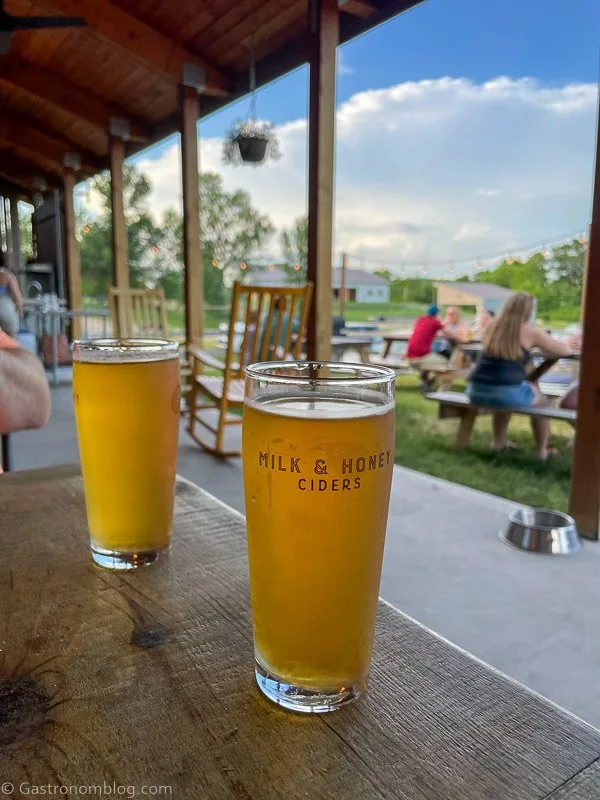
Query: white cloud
x=411 y=162
x=343 y=67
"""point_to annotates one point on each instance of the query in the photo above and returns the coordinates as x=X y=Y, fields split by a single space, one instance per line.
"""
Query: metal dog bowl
x=539 y=530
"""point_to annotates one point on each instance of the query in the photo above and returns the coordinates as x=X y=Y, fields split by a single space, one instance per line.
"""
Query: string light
x=451 y=268
x=215 y=262
x=510 y=260
x=155 y=250
x=296 y=267
x=243 y=265
x=271 y=267
x=581 y=238
x=85 y=229
x=425 y=270
x=545 y=252
x=478 y=266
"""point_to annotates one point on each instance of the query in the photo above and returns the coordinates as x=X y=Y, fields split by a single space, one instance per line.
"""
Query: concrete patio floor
x=535 y=618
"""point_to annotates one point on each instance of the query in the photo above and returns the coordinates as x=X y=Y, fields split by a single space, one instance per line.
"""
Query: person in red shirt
x=419 y=351
x=24 y=391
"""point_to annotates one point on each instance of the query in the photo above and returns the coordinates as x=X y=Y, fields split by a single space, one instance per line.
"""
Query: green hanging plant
x=250 y=142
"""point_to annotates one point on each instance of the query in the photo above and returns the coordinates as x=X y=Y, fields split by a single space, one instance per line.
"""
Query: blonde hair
x=502 y=338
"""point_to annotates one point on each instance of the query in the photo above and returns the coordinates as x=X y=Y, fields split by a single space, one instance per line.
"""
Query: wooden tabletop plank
x=584 y=785
x=147 y=678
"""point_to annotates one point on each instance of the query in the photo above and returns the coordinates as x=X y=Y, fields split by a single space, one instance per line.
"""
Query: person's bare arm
x=547 y=343
x=14 y=289
x=24 y=392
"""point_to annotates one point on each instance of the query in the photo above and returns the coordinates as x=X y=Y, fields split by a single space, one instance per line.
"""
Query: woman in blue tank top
x=499 y=378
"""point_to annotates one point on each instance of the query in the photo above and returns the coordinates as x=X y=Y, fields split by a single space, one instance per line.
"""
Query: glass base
x=299 y=698
x=116 y=559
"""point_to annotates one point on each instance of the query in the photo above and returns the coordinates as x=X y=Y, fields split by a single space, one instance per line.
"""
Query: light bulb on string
x=451 y=268
x=545 y=252
x=215 y=262
x=478 y=266
x=425 y=270
x=581 y=238
x=243 y=265
x=85 y=229
x=510 y=260
x=271 y=267
x=296 y=267
x=403 y=271
x=155 y=250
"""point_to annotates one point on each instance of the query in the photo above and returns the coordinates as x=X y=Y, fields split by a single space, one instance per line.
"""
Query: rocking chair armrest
x=206 y=359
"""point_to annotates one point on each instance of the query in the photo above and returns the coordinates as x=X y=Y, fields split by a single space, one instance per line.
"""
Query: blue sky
x=491 y=163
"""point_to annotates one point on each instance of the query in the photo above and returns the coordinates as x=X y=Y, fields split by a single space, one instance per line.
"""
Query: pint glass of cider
x=318 y=452
x=126 y=394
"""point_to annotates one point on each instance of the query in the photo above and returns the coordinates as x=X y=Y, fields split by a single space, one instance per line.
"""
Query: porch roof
x=61 y=87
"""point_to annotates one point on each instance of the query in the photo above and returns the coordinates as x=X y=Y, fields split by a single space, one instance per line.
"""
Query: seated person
x=419 y=350
x=452 y=325
x=24 y=391
x=483 y=321
x=499 y=379
x=11 y=300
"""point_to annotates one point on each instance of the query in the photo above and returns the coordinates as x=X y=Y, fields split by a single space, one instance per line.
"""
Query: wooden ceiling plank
x=139 y=39
x=40 y=145
x=243 y=36
x=26 y=120
x=360 y=8
x=58 y=91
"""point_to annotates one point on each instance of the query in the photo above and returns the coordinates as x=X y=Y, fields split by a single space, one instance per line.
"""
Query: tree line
x=235 y=232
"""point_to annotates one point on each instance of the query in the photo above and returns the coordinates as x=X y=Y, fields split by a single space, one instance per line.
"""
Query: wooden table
x=339 y=345
x=146 y=679
x=391 y=338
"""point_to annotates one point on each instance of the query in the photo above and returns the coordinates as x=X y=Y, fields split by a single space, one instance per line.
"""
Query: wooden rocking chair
x=275 y=321
x=138 y=312
x=143 y=313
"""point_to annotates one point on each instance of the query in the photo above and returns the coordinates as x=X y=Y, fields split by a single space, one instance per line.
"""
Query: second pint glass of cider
x=126 y=394
x=318 y=452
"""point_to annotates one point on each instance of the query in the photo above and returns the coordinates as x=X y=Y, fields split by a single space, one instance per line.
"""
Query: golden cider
x=317 y=482
x=127 y=424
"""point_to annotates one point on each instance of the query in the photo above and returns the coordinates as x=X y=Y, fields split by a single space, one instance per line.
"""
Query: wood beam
x=585 y=480
x=73 y=263
x=360 y=8
x=29 y=121
x=61 y=93
x=41 y=146
x=23 y=171
x=119 y=223
x=148 y=45
x=323 y=26
x=192 y=245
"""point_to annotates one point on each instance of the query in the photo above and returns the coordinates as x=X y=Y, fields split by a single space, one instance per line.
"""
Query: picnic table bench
x=146 y=679
x=458 y=405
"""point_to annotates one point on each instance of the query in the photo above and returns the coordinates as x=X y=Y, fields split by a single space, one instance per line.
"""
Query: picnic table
x=146 y=679
x=547 y=360
x=340 y=344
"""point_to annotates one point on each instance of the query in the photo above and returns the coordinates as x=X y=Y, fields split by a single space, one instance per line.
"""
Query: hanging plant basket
x=250 y=142
x=253 y=149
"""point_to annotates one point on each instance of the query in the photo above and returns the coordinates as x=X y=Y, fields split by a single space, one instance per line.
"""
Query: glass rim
x=366 y=374
x=125 y=348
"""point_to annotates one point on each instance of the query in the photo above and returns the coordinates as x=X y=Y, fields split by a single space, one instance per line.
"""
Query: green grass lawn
x=425 y=443
x=363 y=312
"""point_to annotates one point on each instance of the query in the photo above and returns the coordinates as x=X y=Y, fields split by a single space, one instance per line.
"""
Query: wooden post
x=585 y=484
x=72 y=251
x=119 y=224
x=192 y=246
x=343 y=284
x=17 y=258
x=323 y=26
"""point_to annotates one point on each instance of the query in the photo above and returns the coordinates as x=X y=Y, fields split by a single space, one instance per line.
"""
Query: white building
x=361 y=286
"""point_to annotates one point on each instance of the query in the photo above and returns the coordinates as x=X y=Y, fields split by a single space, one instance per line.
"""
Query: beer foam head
x=124 y=351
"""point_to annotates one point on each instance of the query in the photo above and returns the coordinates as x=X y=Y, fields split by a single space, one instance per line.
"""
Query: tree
x=142 y=234
x=25 y=214
x=233 y=231
x=294 y=245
